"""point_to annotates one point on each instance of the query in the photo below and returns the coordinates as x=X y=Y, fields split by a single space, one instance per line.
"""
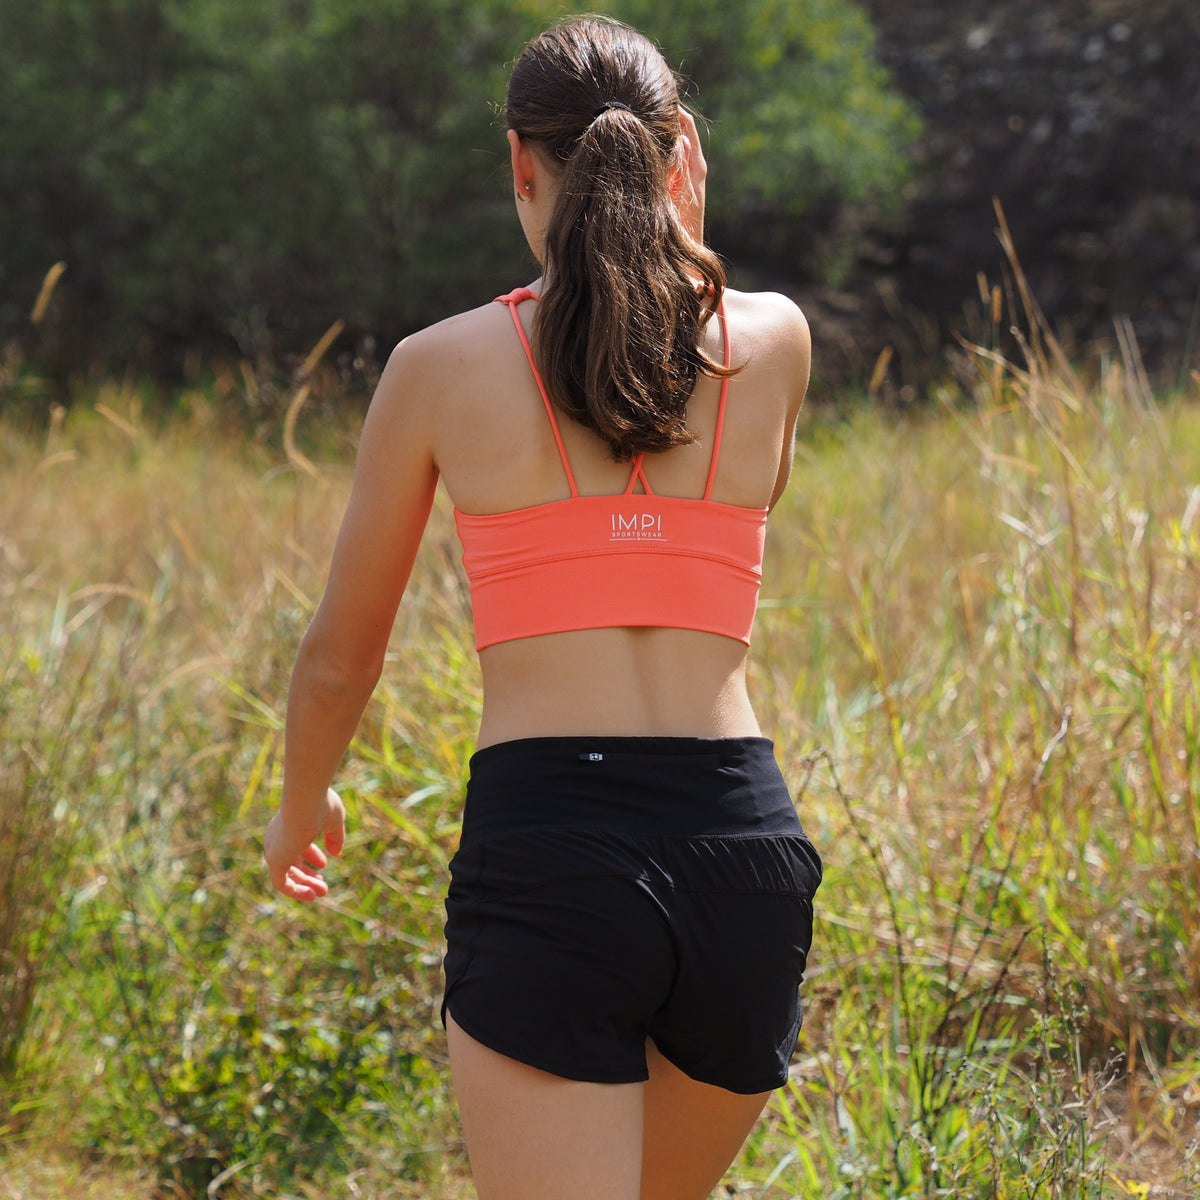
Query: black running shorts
x=609 y=890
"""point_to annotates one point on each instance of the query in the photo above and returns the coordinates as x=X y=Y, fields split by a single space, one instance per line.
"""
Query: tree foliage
x=218 y=172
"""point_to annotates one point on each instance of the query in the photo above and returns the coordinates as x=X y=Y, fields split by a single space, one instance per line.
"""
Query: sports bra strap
x=512 y=299
x=716 y=452
x=639 y=473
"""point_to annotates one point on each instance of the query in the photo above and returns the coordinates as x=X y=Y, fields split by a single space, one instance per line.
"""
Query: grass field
x=977 y=652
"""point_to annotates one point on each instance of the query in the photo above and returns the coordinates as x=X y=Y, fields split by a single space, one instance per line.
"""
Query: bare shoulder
x=460 y=332
x=421 y=364
x=771 y=339
x=769 y=321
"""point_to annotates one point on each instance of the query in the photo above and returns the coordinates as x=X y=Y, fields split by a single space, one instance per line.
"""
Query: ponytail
x=628 y=290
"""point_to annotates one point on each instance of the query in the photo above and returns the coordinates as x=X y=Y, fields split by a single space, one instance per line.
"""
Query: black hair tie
x=603 y=108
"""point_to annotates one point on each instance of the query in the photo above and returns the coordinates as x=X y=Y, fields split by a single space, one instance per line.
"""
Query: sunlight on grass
x=977 y=651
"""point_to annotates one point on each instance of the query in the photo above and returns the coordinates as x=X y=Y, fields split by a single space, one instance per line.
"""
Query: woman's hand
x=689 y=198
x=292 y=855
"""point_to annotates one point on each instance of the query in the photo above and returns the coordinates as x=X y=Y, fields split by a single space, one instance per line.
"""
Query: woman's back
x=496 y=452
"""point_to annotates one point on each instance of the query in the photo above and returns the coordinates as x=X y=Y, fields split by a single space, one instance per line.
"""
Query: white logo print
x=638 y=527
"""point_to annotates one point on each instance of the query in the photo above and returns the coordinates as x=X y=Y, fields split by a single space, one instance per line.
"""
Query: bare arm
x=688 y=189
x=342 y=652
x=799 y=346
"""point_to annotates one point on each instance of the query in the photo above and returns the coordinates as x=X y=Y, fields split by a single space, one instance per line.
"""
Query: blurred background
x=227 y=180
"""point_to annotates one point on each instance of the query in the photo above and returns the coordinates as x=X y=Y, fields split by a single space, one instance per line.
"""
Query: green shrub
x=242 y=175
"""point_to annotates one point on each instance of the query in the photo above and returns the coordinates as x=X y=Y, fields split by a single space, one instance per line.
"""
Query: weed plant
x=977 y=652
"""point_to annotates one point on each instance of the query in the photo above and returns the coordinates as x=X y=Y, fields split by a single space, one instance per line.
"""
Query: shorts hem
x=578 y=1074
x=738 y=1088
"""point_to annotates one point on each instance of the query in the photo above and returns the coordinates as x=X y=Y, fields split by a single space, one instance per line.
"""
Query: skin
x=457 y=402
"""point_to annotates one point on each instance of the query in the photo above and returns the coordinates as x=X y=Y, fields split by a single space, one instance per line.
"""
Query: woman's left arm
x=796 y=348
x=342 y=653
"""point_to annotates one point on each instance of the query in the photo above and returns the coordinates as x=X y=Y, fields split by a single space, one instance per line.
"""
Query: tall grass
x=977 y=652
x=1000 y=604
x=155 y=587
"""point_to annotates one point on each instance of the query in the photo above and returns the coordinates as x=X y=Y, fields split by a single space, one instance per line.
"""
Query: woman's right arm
x=342 y=653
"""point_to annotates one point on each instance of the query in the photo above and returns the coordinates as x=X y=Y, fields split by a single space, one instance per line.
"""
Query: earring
x=522 y=196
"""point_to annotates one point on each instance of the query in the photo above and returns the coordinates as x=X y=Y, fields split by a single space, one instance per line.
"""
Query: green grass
x=978 y=655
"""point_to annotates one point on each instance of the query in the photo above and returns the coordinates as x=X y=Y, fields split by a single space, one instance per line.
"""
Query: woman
x=630 y=905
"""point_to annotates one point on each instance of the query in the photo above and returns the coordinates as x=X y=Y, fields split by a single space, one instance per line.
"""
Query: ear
x=681 y=167
x=522 y=163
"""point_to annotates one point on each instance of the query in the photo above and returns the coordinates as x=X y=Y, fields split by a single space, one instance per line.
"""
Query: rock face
x=1082 y=117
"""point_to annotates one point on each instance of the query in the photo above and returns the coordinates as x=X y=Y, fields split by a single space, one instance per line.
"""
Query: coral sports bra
x=593 y=562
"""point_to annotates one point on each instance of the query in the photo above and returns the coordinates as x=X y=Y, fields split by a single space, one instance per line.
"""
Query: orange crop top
x=592 y=562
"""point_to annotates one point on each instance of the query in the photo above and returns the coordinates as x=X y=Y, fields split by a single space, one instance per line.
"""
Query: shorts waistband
x=733 y=748
x=682 y=786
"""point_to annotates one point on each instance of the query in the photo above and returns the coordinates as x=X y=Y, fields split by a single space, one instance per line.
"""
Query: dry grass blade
x=49 y=283
x=310 y=364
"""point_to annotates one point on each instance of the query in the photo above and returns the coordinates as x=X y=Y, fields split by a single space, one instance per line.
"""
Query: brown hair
x=628 y=289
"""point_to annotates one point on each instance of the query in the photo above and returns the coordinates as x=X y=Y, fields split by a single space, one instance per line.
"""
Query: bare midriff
x=616 y=682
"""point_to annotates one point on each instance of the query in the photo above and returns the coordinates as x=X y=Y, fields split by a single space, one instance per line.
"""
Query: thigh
x=691 y=1131
x=530 y=1133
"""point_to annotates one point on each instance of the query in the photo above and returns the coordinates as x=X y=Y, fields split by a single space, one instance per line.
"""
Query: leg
x=533 y=1134
x=692 y=1131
